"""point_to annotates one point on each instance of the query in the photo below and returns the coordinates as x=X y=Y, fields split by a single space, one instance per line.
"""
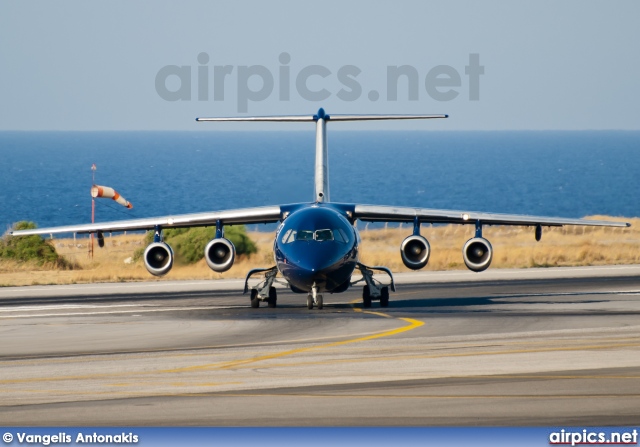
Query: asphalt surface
x=545 y=347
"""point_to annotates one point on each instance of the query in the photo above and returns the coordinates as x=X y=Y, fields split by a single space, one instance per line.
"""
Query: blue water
x=46 y=177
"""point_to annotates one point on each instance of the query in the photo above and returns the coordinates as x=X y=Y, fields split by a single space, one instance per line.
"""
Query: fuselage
x=317 y=245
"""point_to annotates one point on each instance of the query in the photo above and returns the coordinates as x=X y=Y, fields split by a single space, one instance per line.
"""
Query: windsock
x=109 y=193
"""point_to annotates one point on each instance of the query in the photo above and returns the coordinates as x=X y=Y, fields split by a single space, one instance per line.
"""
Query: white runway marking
x=103 y=286
x=65 y=306
x=137 y=311
x=232 y=285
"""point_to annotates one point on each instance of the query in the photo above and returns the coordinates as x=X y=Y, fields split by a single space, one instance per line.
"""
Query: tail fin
x=322 y=156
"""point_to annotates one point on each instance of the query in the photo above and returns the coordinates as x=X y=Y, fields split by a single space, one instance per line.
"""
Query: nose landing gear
x=314 y=298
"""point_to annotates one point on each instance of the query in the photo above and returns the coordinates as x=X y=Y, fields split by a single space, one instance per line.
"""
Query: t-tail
x=322 y=153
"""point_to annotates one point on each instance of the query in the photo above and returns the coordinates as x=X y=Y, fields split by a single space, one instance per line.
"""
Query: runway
x=554 y=347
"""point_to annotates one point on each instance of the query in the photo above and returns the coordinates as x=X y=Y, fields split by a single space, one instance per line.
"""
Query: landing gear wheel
x=366 y=297
x=309 y=302
x=384 y=297
x=320 y=303
x=273 y=297
x=255 y=302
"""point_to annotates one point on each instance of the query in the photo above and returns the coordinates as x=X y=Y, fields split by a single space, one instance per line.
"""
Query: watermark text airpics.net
x=208 y=81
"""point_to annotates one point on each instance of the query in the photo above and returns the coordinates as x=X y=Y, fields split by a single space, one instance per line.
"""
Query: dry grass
x=514 y=247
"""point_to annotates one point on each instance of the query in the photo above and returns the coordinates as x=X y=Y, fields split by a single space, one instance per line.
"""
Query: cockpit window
x=340 y=235
x=319 y=235
x=289 y=236
x=304 y=235
x=324 y=235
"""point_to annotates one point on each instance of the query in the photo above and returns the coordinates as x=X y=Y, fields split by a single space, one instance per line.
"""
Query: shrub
x=30 y=248
x=188 y=243
x=238 y=235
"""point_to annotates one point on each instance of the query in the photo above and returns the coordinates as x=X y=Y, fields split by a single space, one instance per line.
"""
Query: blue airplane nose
x=316 y=265
x=310 y=272
x=328 y=267
x=316 y=244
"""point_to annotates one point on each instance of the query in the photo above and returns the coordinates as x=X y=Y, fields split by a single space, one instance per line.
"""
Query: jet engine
x=220 y=254
x=477 y=254
x=415 y=251
x=158 y=258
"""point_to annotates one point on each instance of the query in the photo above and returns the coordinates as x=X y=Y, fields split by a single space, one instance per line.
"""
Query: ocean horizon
x=46 y=175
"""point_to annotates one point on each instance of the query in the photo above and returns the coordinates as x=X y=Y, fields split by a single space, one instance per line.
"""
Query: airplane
x=316 y=244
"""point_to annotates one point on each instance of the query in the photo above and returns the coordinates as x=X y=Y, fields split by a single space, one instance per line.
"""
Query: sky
x=156 y=65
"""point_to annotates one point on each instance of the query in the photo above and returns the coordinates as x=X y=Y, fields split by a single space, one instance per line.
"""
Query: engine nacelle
x=220 y=254
x=477 y=254
x=158 y=258
x=415 y=251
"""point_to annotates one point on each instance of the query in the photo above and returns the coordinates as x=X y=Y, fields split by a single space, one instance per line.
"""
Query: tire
x=273 y=297
x=384 y=297
x=320 y=303
x=309 y=302
x=366 y=297
x=255 y=302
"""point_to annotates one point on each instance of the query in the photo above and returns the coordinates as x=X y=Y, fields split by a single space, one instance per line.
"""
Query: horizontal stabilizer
x=262 y=118
x=383 y=117
x=322 y=115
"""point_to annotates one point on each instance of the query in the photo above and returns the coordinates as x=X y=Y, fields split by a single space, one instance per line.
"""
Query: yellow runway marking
x=169 y=352
x=437 y=356
x=437 y=396
x=171 y=383
x=218 y=395
x=413 y=324
x=166 y=353
x=410 y=325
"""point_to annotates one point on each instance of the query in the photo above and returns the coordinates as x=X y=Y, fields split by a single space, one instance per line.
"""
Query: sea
x=46 y=177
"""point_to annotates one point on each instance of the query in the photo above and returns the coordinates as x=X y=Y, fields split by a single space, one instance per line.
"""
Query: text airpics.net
x=590 y=437
x=254 y=83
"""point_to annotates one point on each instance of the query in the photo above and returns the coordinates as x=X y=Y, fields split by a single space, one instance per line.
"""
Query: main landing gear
x=264 y=291
x=374 y=289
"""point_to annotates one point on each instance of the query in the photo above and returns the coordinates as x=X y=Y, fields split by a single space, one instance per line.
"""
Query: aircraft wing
x=380 y=213
x=265 y=214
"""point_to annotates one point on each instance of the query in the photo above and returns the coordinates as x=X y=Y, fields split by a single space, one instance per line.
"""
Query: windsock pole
x=93 y=208
x=107 y=193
